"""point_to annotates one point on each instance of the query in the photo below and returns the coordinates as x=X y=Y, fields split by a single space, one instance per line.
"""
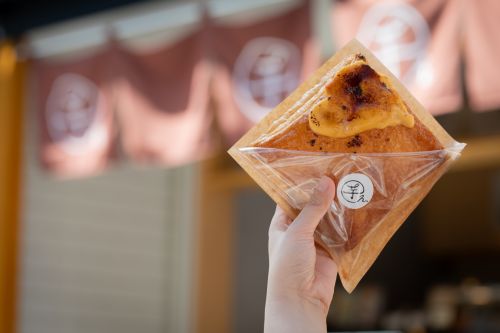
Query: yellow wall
x=11 y=81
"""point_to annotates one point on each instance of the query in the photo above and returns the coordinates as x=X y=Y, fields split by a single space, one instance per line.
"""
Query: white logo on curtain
x=266 y=71
x=73 y=116
x=398 y=35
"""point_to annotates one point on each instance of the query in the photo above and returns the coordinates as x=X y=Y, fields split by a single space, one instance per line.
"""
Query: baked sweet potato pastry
x=356 y=123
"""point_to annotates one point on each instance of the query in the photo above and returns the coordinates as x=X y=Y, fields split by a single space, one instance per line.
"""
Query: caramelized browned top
x=359 y=112
x=357 y=100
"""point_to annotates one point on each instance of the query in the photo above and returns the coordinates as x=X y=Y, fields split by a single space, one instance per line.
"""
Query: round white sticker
x=355 y=190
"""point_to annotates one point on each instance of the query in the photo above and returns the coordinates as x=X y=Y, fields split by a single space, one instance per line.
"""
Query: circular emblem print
x=355 y=190
x=72 y=114
x=266 y=71
x=398 y=34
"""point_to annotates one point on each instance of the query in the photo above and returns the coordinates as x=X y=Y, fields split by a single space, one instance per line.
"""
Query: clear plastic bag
x=376 y=189
x=354 y=237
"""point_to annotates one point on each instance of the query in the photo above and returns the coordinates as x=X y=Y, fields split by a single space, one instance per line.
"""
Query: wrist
x=292 y=297
x=294 y=314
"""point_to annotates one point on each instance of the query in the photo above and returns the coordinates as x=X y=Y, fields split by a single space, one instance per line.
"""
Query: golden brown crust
x=299 y=136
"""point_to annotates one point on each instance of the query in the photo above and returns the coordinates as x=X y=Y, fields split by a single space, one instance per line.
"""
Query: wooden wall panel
x=220 y=180
x=11 y=83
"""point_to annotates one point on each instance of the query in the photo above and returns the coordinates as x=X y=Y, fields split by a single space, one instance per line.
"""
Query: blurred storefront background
x=121 y=212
